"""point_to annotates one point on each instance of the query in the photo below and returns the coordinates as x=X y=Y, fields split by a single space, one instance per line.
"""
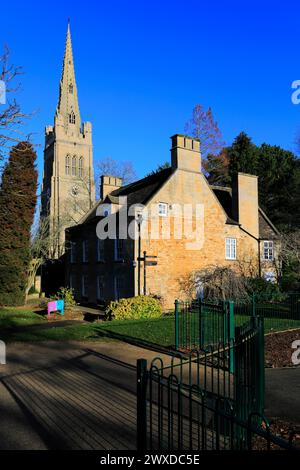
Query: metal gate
x=200 y=402
x=202 y=323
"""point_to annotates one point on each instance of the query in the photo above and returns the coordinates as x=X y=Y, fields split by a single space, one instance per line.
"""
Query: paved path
x=73 y=395
x=283 y=394
x=69 y=395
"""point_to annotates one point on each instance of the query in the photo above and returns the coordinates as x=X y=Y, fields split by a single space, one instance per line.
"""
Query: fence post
x=176 y=325
x=141 y=389
x=261 y=366
x=253 y=305
x=231 y=334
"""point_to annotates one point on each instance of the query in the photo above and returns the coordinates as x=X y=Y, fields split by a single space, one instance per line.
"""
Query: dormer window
x=71 y=88
x=72 y=118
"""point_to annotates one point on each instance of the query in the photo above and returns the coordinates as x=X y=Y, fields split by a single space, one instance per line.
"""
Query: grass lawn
x=25 y=325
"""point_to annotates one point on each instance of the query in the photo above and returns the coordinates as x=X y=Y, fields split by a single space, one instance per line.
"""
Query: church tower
x=68 y=190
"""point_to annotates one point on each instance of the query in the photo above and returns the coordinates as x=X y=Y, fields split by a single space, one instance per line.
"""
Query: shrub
x=265 y=291
x=134 y=308
x=67 y=295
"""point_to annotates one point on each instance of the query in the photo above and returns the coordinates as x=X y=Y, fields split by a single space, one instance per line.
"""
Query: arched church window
x=67 y=165
x=80 y=167
x=74 y=165
x=72 y=118
x=71 y=88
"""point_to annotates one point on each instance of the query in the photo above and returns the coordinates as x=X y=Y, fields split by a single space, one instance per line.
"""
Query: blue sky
x=141 y=66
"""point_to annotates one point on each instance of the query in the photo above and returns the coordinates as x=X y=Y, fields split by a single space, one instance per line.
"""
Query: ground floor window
x=119 y=287
x=100 y=288
x=84 y=285
x=230 y=248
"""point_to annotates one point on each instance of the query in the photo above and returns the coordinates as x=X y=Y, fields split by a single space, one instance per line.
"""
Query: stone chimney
x=109 y=184
x=185 y=153
x=245 y=202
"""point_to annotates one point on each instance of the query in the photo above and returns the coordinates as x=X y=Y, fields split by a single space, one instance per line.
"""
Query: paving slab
x=71 y=395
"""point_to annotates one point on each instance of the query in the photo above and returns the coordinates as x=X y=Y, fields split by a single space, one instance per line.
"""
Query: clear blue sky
x=141 y=66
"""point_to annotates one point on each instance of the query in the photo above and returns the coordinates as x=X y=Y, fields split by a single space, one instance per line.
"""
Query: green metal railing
x=203 y=324
x=199 y=402
x=277 y=314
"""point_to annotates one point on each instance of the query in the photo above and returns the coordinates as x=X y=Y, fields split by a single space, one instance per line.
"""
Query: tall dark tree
x=17 y=206
x=242 y=155
x=278 y=172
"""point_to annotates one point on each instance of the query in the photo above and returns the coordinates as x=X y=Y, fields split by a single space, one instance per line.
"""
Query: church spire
x=68 y=107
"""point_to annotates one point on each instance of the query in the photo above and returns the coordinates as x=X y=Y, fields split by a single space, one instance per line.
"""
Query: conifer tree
x=17 y=206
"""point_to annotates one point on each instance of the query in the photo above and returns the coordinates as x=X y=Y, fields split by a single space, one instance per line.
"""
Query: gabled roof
x=224 y=195
x=139 y=192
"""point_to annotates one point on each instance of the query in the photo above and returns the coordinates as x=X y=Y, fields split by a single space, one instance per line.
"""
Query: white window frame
x=84 y=287
x=85 y=251
x=100 y=282
x=100 y=250
x=118 y=242
x=268 y=250
x=230 y=248
x=162 y=209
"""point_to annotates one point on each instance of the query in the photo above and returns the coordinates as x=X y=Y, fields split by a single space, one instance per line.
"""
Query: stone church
x=233 y=229
x=68 y=190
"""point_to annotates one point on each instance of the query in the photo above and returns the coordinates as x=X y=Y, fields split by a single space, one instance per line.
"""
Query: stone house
x=175 y=218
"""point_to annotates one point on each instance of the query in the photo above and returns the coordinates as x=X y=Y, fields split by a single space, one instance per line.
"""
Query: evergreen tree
x=242 y=156
x=17 y=206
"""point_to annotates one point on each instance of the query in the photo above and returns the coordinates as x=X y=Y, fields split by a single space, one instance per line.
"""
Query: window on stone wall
x=74 y=165
x=100 y=249
x=72 y=118
x=85 y=251
x=163 y=209
x=119 y=249
x=72 y=252
x=72 y=282
x=84 y=285
x=100 y=287
x=67 y=165
x=268 y=250
x=71 y=88
x=80 y=167
x=230 y=248
x=119 y=287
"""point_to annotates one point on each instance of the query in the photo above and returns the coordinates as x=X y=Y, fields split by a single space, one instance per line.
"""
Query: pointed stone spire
x=68 y=108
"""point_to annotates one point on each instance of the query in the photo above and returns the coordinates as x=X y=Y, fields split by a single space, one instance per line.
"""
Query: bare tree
x=44 y=245
x=203 y=127
x=11 y=115
x=216 y=283
x=110 y=166
x=290 y=247
x=40 y=249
